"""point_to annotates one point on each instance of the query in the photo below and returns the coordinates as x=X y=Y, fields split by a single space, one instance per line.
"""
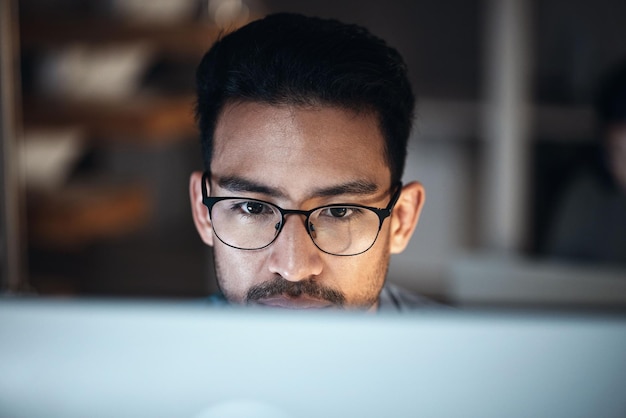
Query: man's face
x=299 y=158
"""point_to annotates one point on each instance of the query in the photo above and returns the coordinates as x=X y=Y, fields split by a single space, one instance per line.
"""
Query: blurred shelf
x=186 y=39
x=84 y=213
x=70 y=64
x=140 y=120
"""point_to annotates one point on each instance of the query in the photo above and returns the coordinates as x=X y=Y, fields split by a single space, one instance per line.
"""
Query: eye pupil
x=254 y=207
x=338 y=212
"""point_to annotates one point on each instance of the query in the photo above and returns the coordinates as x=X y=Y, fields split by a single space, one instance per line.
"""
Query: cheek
x=362 y=277
x=237 y=270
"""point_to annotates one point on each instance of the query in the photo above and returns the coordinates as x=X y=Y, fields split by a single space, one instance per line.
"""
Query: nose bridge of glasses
x=294 y=234
x=303 y=214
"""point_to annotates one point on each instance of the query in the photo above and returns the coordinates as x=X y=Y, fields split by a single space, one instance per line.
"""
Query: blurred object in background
x=108 y=90
x=155 y=11
x=483 y=279
x=47 y=157
x=611 y=110
x=590 y=224
x=88 y=73
x=13 y=275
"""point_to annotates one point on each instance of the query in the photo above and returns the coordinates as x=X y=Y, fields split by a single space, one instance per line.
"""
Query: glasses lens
x=252 y=224
x=344 y=230
x=245 y=224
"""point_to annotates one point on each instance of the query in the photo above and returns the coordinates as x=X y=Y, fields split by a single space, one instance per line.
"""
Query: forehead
x=299 y=146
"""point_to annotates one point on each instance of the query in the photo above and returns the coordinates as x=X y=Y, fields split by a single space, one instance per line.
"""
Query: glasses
x=250 y=224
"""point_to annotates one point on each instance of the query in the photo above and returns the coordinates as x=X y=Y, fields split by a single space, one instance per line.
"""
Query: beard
x=365 y=298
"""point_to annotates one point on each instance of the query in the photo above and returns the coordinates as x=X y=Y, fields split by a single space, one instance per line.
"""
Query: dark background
x=157 y=253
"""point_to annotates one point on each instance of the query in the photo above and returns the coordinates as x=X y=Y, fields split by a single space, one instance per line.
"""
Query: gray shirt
x=396 y=299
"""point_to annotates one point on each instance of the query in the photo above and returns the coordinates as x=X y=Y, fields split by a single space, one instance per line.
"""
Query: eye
x=254 y=208
x=338 y=212
x=251 y=208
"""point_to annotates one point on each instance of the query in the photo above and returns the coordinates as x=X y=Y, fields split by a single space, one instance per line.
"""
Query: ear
x=198 y=210
x=405 y=215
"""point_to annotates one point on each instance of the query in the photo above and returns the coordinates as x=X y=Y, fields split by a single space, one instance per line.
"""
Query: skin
x=300 y=158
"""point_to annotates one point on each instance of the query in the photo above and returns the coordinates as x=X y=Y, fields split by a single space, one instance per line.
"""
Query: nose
x=294 y=256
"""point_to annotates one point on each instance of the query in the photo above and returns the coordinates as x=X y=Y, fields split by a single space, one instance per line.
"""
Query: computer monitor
x=79 y=358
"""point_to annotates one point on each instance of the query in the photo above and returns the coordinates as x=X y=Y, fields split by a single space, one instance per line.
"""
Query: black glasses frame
x=383 y=213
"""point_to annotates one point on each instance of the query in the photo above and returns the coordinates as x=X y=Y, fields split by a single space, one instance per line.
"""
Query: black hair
x=290 y=59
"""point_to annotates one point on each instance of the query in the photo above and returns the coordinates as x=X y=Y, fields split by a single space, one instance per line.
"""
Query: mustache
x=309 y=287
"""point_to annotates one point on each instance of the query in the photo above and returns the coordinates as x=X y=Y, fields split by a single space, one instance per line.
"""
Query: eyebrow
x=353 y=187
x=240 y=184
